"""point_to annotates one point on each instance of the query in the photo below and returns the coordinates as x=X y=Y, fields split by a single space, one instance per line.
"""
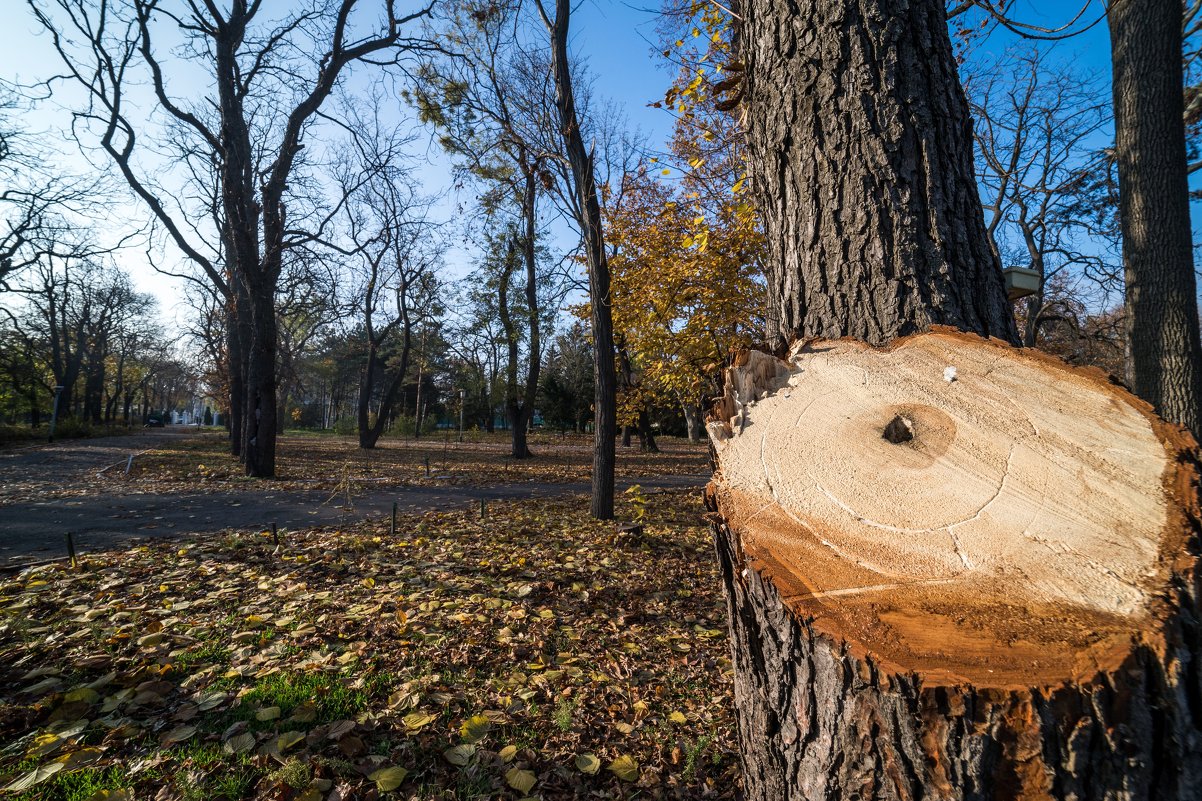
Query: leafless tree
x=264 y=86
x=1037 y=129
x=394 y=258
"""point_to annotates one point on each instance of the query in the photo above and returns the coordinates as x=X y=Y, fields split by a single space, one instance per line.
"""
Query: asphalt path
x=33 y=530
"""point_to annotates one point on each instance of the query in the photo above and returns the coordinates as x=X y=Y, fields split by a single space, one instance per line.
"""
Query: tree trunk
x=1165 y=365
x=646 y=435
x=519 y=419
x=861 y=160
x=998 y=601
x=692 y=420
x=626 y=433
x=417 y=399
x=235 y=336
x=363 y=405
x=1030 y=334
x=369 y=436
x=605 y=405
x=258 y=447
x=954 y=570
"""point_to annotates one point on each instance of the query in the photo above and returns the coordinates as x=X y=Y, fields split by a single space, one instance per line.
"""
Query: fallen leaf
x=521 y=780
x=417 y=720
x=388 y=779
x=289 y=739
x=179 y=734
x=625 y=768
x=77 y=759
x=239 y=744
x=459 y=755
x=268 y=713
x=35 y=776
x=85 y=694
x=475 y=729
x=588 y=763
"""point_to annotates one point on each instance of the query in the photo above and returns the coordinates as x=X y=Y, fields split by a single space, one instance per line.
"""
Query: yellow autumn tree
x=685 y=290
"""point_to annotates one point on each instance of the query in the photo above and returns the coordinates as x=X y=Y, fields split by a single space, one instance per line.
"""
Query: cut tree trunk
x=956 y=570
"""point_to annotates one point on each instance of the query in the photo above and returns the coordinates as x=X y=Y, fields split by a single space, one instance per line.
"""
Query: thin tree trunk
x=535 y=354
x=236 y=375
x=515 y=410
x=585 y=183
x=646 y=435
x=1165 y=365
x=363 y=405
x=692 y=419
x=1030 y=333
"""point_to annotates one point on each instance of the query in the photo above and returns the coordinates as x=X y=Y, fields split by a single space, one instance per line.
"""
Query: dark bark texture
x=816 y=723
x=861 y=162
x=1165 y=364
x=605 y=407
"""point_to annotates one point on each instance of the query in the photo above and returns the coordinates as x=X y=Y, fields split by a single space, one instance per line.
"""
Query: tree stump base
x=956 y=570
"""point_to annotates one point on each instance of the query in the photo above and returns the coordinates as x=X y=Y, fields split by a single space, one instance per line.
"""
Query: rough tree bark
x=954 y=569
x=1165 y=356
x=861 y=149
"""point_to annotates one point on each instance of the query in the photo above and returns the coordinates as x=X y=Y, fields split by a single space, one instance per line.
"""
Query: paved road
x=68 y=460
x=37 y=530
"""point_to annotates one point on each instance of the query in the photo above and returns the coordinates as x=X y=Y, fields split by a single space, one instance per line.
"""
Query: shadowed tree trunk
x=917 y=541
x=605 y=408
x=1165 y=361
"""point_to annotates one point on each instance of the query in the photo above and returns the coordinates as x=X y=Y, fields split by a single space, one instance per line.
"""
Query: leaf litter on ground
x=507 y=658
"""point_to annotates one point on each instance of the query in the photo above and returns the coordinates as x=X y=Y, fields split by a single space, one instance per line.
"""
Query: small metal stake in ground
x=129 y=464
x=393 y=530
x=275 y=535
x=427 y=467
x=71 y=549
x=483 y=509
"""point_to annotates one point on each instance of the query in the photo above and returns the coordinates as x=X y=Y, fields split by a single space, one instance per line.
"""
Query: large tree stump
x=956 y=570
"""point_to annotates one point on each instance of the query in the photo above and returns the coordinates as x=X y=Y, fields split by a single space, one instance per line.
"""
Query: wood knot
x=900 y=429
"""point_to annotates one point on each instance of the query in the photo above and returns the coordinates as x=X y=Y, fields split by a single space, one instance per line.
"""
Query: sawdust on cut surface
x=1005 y=525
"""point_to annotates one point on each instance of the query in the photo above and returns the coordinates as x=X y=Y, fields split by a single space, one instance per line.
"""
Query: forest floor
x=531 y=654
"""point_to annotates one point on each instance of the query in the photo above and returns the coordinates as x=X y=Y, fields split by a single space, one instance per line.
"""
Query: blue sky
x=616 y=38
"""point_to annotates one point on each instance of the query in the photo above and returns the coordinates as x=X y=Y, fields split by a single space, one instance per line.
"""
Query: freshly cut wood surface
x=955 y=507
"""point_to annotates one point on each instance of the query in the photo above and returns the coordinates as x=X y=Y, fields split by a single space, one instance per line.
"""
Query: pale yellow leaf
x=625 y=768
x=521 y=780
x=35 y=776
x=289 y=739
x=459 y=755
x=388 y=779
x=588 y=763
